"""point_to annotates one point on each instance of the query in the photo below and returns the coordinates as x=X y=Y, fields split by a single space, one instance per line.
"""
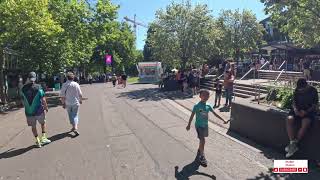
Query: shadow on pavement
x=224 y=109
x=154 y=94
x=312 y=175
x=314 y=171
x=190 y=170
x=60 y=136
x=15 y=152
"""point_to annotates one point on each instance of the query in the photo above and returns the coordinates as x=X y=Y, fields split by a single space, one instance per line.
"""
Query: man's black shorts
x=312 y=116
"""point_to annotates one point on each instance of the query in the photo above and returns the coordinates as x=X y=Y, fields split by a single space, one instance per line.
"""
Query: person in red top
x=228 y=87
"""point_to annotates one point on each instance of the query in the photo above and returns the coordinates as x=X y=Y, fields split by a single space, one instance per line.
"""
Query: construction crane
x=135 y=23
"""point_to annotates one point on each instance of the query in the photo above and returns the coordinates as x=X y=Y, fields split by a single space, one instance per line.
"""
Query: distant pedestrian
x=35 y=106
x=124 y=80
x=228 y=87
x=306 y=70
x=90 y=78
x=218 y=90
x=201 y=110
x=193 y=82
x=114 y=80
x=71 y=99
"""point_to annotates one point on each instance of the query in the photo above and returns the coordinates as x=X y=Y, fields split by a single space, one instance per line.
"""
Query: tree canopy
x=242 y=32
x=300 y=19
x=183 y=35
x=52 y=35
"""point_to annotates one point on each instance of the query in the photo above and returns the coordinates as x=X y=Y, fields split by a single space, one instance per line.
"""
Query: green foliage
x=241 y=32
x=283 y=95
x=298 y=18
x=182 y=35
x=53 y=35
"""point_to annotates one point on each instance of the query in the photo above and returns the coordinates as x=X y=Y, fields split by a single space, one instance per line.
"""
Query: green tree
x=184 y=35
x=28 y=27
x=147 y=49
x=300 y=19
x=241 y=32
x=76 y=42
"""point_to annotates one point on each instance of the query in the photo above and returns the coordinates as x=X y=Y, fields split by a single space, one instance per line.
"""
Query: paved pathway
x=134 y=133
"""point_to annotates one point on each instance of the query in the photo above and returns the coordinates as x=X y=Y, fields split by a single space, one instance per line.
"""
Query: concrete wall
x=268 y=127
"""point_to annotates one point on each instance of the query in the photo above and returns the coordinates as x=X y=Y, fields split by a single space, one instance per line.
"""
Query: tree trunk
x=2 y=83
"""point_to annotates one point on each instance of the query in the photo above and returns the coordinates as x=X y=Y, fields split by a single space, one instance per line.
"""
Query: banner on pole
x=108 y=59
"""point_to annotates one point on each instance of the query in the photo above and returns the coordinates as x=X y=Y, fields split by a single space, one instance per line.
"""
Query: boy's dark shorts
x=312 y=116
x=202 y=132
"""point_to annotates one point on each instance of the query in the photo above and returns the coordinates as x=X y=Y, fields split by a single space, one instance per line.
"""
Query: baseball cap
x=32 y=76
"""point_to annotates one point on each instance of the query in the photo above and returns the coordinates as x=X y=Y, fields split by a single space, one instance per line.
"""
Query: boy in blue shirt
x=201 y=110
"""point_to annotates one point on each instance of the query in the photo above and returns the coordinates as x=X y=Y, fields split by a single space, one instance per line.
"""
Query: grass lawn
x=133 y=79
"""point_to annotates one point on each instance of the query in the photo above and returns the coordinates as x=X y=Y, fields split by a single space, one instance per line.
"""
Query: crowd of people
x=186 y=79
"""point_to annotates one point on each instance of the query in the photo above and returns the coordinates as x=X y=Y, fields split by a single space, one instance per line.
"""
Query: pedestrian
x=193 y=82
x=228 y=87
x=218 y=90
x=90 y=79
x=201 y=110
x=71 y=97
x=306 y=70
x=304 y=110
x=114 y=80
x=271 y=65
x=35 y=108
x=184 y=79
x=124 y=80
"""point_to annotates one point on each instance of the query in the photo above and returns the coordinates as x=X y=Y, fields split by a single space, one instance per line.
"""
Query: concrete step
x=251 y=93
x=237 y=92
x=251 y=89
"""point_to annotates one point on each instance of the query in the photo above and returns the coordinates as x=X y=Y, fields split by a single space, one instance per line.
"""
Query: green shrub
x=282 y=95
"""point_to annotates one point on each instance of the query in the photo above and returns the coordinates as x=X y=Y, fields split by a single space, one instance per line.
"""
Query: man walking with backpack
x=71 y=97
x=35 y=106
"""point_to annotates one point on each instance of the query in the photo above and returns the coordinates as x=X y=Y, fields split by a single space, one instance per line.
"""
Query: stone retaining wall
x=267 y=126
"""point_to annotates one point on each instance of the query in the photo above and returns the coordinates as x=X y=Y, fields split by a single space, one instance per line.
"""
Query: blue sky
x=145 y=10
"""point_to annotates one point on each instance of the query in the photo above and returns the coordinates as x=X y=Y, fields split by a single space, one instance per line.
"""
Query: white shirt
x=71 y=92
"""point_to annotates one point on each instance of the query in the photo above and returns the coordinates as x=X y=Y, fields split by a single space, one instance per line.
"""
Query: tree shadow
x=153 y=94
x=17 y=152
x=190 y=170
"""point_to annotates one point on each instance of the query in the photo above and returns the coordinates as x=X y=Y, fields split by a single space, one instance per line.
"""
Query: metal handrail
x=246 y=74
x=282 y=64
x=264 y=65
x=279 y=75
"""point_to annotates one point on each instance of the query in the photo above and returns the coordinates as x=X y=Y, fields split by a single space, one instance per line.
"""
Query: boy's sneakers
x=291 y=149
x=203 y=161
x=38 y=142
x=45 y=140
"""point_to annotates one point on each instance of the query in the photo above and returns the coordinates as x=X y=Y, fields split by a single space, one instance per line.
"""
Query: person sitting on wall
x=304 y=109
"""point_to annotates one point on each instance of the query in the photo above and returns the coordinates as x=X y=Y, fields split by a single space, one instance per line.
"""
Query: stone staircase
x=285 y=76
x=240 y=89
